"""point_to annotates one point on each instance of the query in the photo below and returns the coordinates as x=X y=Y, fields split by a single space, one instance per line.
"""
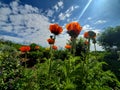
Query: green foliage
x=61 y=54
x=62 y=71
x=9 y=43
x=113 y=64
x=80 y=47
x=9 y=67
x=73 y=74
x=109 y=38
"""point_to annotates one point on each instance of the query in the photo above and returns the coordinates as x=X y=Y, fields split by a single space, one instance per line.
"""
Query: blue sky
x=27 y=21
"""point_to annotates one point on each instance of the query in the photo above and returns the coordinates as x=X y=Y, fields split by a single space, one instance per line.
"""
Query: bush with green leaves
x=60 y=54
x=60 y=71
x=74 y=74
x=113 y=64
x=9 y=67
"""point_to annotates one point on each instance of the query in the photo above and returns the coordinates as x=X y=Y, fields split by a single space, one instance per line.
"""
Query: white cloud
x=30 y=24
x=15 y=39
x=53 y=20
x=60 y=3
x=27 y=24
x=58 y=6
x=63 y=16
x=100 y=22
x=68 y=20
x=62 y=40
x=98 y=47
x=76 y=7
x=69 y=10
x=67 y=13
x=50 y=13
x=89 y=18
x=87 y=27
x=8 y=28
x=25 y=21
x=5 y=11
x=3 y=17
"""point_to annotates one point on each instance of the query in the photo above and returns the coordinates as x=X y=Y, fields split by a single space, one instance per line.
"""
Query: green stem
x=88 y=51
x=88 y=45
x=74 y=46
x=95 y=51
x=49 y=72
x=95 y=47
x=25 y=59
x=50 y=60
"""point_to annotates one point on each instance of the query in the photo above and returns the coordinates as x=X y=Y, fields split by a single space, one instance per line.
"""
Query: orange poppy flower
x=37 y=47
x=86 y=35
x=68 y=46
x=74 y=29
x=25 y=48
x=92 y=34
x=55 y=29
x=54 y=47
x=51 y=41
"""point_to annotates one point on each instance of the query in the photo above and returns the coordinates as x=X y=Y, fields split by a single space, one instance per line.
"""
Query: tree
x=110 y=38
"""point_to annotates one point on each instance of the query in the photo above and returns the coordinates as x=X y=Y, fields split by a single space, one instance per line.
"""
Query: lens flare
x=85 y=8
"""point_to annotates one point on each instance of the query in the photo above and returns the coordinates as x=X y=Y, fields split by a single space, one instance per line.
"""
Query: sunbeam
x=85 y=8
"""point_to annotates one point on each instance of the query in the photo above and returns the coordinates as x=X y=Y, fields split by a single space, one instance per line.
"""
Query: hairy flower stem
x=25 y=59
x=73 y=46
x=50 y=59
x=95 y=51
x=49 y=72
x=88 y=45
x=88 y=51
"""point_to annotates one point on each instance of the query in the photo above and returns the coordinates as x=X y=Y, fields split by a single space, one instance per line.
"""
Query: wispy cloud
x=58 y=6
x=60 y=3
x=100 y=22
x=89 y=18
x=63 y=16
x=67 y=13
x=50 y=13
x=87 y=27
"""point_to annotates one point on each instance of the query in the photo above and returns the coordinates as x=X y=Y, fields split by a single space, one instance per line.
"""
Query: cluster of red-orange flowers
x=73 y=29
x=25 y=48
x=56 y=30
